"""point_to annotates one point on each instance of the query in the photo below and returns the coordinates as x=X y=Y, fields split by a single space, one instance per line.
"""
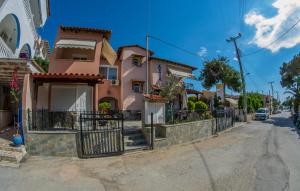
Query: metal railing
x=5 y=51
x=182 y=116
x=30 y=18
x=45 y=120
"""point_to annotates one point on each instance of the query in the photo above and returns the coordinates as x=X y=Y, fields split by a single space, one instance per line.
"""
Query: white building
x=19 y=20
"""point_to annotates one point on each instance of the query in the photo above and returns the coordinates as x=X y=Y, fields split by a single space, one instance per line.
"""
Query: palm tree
x=170 y=90
x=217 y=71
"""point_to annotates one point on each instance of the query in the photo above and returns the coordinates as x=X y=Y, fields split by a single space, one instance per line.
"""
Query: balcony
x=189 y=86
x=5 y=51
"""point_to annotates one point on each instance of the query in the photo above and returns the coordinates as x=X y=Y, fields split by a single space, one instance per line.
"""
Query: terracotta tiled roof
x=106 y=33
x=67 y=76
x=155 y=87
x=155 y=98
x=208 y=94
x=174 y=63
x=190 y=91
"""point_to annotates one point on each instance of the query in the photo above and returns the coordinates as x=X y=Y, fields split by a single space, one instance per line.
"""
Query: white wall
x=27 y=32
x=158 y=110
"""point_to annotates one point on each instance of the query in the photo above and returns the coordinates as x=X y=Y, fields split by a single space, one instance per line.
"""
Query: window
x=109 y=72
x=137 y=60
x=159 y=71
x=79 y=57
x=137 y=87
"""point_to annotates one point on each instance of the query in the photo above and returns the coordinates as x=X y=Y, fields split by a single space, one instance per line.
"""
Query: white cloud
x=269 y=29
x=202 y=52
x=235 y=59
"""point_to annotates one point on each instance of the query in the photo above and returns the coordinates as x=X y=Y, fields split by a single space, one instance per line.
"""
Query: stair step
x=4 y=163
x=5 y=147
x=11 y=156
x=132 y=131
x=136 y=148
x=134 y=136
x=135 y=142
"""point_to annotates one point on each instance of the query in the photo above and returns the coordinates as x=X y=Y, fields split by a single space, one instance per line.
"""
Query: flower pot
x=17 y=140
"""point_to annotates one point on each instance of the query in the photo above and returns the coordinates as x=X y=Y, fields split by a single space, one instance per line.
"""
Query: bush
x=200 y=106
x=104 y=106
x=191 y=106
x=192 y=99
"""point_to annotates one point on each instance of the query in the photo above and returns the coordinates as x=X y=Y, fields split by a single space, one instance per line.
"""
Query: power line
x=278 y=38
x=176 y=47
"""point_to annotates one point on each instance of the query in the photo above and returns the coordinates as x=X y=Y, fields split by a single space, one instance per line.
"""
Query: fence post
x=122 y=124
x=81 y=135
x=152 y=132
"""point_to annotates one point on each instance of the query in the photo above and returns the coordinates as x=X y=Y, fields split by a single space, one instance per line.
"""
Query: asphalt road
x=261 y=155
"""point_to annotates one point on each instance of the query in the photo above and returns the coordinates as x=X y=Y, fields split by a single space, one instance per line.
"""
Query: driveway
x=261 y=155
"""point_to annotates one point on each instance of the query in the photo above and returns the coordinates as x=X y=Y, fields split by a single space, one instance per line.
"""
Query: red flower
x=14 y=82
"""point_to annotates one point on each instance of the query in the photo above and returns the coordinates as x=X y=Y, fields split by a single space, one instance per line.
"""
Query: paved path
x=257 y=156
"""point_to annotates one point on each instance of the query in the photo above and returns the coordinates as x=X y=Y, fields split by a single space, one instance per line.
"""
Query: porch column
x=95 y=108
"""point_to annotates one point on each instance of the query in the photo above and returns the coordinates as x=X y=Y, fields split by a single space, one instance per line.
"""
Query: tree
x=42 y=63
x=171 y=88
x=217 y=71
x=290 y=79
x=254 y=101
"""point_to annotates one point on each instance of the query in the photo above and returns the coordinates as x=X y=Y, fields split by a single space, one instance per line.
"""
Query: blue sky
x=198 y=26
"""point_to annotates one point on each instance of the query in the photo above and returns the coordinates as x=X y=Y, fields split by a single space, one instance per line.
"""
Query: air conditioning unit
x=115 y=82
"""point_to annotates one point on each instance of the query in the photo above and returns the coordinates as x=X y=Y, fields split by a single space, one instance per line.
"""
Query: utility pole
x=147 y=64
x=272 y=90
x=233 y=39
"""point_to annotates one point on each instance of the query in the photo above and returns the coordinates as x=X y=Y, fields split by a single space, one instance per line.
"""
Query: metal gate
x=101 y=134
x=224 y=119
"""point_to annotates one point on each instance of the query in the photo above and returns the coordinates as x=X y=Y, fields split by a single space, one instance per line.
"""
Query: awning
x=232 y=101
x=108 y=52
x=181 y=73
x=71 y=43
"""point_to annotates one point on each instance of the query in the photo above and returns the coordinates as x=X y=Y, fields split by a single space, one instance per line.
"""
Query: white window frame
x=107 y=71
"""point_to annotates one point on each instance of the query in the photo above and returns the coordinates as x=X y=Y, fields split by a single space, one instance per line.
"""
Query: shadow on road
x=285 y=122
x=211 y=179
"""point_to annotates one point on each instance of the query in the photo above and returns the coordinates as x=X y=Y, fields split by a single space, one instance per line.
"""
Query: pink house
x=80 y=58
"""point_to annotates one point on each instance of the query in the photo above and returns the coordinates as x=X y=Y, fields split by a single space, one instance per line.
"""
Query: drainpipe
x=147 y=64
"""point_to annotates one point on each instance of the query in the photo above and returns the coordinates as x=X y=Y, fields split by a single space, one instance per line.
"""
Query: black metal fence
x=45 y=120
x=180 y=116
x=101 y=134
x=224 y=119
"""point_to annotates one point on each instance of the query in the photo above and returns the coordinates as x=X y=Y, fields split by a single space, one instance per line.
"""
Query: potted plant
x=15 y=93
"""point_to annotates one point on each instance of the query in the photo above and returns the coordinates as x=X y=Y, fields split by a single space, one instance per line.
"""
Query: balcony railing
x=30 y=18
x=5 y=51
x=189 y=86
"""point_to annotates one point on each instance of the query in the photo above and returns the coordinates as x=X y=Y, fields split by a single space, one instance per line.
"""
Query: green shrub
x=200 y=106
x=192 y=98
x=104 y=106
x=191 y=106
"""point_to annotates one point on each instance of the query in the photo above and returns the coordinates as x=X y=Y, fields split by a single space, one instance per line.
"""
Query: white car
x=262 y=114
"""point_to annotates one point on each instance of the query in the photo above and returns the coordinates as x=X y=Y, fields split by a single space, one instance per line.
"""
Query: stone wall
x=52 y=143
x=167 y=135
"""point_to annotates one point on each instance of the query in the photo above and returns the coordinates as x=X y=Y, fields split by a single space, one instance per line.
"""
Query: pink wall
x=107 y=89
x=131 y=100
x=154 y=78
x=75 y=66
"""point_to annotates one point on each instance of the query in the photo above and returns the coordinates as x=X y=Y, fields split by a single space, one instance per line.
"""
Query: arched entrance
x=10 y=31
x=113 y=102
x=25 y=52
